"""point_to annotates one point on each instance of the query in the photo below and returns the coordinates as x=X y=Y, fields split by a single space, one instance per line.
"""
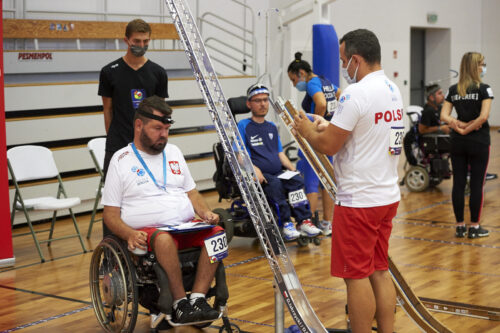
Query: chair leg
x=94 y=210
x=13 y=214
x=77 y=230
x=33 y=233
x=52 y=227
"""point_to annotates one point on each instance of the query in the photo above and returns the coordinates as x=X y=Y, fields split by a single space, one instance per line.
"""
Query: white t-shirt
x=142 y=203
x=365 y=169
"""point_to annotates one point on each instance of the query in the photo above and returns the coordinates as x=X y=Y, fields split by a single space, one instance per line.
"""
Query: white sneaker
x=307 y=228
x=326 y=227
x=289 y=231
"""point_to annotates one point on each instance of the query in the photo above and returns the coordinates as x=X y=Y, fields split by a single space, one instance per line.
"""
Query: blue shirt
x=263 y=144
x=315 y=85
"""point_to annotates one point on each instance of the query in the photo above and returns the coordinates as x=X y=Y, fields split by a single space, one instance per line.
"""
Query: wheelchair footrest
x=169 y=319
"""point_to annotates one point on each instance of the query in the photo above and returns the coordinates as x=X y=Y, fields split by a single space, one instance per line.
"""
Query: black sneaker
x=204 y=310
x=461 y=230
x=185 y=313
x=490 y=176
x=478 y=232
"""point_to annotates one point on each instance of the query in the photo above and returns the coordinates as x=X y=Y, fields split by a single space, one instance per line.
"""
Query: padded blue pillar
x=326 y=52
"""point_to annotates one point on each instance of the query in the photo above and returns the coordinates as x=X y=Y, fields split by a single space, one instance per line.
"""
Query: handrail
x=224 y=20
x=213 y=20
x=226 y=45
x=226 y=31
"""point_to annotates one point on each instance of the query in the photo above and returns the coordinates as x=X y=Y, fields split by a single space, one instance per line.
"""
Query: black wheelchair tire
x=115 y=251
x=303 y=241
x=417 y=179
x=226 y=221
x=234 y=329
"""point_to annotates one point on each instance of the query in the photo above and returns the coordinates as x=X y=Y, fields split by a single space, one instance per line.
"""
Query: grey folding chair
x=28 y=163
x=97 y=151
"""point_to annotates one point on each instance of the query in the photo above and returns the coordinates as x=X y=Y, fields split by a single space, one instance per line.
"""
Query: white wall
x=391 y=21
x=490 y=42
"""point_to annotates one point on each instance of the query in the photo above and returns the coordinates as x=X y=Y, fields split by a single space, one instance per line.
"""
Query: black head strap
x=164 y=119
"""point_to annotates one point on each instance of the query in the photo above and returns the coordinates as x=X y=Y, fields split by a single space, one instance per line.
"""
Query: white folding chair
x=28 y=163
x=97 y=151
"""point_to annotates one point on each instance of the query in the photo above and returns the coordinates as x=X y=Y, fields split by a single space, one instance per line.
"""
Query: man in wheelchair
x=427 y=144
x=263 y=144
x=430 y=120
x=148 y=186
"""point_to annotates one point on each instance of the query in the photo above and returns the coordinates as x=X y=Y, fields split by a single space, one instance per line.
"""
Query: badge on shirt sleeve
x=396 y=140
x=216 y=247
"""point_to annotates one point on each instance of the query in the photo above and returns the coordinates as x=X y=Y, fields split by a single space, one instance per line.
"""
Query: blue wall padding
x=326 y=52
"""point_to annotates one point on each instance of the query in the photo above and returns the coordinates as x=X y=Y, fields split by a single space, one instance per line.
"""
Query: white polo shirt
x=142 y=203
x=366 y=165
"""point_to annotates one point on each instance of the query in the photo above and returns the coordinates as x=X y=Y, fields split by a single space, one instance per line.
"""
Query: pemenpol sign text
x=36 y=56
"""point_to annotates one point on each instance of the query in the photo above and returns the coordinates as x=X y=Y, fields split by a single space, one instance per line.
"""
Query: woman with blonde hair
x=470 y=140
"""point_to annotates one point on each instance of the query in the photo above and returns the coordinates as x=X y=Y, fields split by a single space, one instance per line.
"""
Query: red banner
x=6 y=252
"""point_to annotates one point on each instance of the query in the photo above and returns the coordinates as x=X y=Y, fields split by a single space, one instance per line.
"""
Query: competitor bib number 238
x=396 y=140
x=216 y=247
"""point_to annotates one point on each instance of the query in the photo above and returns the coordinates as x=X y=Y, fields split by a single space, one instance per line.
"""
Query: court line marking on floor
x=41 y=263
x=441 y=241
x=433 y=224
x=42 y=321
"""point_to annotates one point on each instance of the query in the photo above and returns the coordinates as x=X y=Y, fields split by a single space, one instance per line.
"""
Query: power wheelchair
x=239 y=221
x=428 y=155
x=121 y=280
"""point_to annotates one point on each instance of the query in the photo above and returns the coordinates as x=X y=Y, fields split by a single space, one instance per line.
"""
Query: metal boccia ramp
x=288 y=288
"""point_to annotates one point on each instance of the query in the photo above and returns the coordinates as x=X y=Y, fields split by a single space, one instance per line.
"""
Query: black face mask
x=164 y=119
x=138 y=51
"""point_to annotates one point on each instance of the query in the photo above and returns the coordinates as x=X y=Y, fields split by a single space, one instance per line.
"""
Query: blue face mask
x=301 y=86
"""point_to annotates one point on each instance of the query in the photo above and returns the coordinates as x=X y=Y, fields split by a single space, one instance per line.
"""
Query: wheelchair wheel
x=113 y=286
x=226 y=221
x=417 y=179
x=303 y=241
x=234 y=329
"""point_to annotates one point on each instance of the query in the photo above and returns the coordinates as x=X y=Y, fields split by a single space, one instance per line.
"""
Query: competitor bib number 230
x=297 y=198
x=216 y=247
x=396 y=140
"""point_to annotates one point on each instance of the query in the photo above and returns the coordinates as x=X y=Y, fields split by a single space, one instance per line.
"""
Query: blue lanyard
x=164 y=187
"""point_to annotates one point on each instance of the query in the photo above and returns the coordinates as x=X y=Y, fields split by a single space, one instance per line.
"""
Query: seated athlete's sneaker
x=185 y=313
x=326 y=227
x=289 y=231
x=204 y=310
x=460 y=231
x=478 y=232
x=490 y=176
x=307 y=228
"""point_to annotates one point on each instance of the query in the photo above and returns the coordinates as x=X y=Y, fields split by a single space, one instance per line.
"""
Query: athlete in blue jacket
x=263 y=144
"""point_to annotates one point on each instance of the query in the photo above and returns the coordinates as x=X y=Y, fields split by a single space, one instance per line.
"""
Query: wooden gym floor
x=54 y=296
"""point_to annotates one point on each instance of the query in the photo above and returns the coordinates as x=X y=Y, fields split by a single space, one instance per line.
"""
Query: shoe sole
x=306 y=234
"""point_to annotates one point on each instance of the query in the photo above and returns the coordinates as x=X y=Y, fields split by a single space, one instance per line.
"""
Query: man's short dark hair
x=431 y=89
x=362 y=42
x=137 y=25
x=152 y=103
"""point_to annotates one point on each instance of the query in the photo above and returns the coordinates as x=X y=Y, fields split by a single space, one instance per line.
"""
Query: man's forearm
x=115 y=223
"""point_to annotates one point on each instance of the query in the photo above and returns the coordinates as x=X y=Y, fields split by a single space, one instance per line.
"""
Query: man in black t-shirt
x=430 y=120
x=124 y=83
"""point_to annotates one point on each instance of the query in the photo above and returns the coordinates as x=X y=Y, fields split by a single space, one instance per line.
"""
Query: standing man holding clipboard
x=366 y=133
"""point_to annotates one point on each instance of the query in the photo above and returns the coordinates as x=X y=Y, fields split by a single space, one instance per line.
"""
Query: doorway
x=430 y=59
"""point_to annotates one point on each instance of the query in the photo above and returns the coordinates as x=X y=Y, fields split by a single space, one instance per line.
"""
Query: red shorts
x=184 y=240
x=360 y=240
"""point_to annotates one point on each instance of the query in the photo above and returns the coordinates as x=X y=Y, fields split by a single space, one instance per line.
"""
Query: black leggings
x=468 y=156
